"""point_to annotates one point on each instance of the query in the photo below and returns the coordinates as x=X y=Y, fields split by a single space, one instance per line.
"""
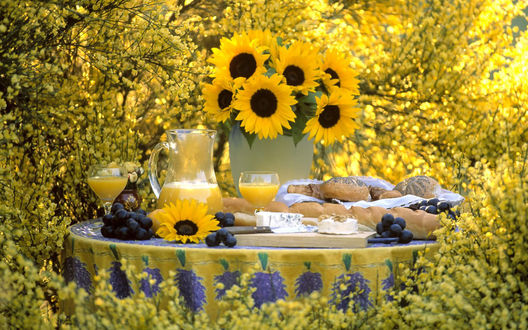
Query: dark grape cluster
x=391 y=227
x=221 y=236
x=435 y=206
x=225 y=219
x=126 y=225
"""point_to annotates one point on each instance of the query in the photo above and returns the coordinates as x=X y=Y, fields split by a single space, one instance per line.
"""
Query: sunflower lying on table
x=186 y=221
x=269 y=88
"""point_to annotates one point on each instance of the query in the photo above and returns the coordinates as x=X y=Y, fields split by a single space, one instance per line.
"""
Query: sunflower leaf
x=298 y=127
x=250 y=137
x=270 y=72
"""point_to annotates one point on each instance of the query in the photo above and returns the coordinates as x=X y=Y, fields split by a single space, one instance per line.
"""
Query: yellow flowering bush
x=442 y=92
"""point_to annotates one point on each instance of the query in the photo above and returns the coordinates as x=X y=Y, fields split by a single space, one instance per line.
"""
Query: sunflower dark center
x=330 y=116
x=186 y=228
x=224 y=98
x=294 y=75
x=334 y=75
x=242 y=65
x=264 y=103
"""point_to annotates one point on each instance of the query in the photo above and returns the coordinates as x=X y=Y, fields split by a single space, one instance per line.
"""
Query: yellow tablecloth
x=283 y=272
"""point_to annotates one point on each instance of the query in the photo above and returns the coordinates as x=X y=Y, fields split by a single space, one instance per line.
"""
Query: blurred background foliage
x=443 y=89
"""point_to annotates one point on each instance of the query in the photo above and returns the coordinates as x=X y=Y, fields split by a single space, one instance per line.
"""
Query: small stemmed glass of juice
x=258 y=187
x=107 y=181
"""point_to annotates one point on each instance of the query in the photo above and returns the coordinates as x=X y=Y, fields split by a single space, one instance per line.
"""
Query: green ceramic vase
x=290 y=161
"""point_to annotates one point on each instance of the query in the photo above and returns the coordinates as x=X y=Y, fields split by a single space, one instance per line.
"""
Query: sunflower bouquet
x=270 y=87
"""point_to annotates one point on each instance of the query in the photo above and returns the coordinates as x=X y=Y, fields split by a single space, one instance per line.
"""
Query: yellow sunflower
x=218 y=99
x=187 y=221
x=299 y=64
x=338 y=72
x=334 y=117
x=265 y=106
x=238 y=58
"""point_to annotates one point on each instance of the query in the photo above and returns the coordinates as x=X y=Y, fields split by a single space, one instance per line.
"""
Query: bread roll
x=311 y=190
x=421 y=186
x=348 y=189
x=308 y=209
x=390 y=194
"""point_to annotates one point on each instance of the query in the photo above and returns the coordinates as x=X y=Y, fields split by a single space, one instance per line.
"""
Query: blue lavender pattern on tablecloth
x=308 y=282
x=119 y=281
x=75 y=270
x=191 y=289
x=228 y=279
x=356 y=285
x=149 y=289
x=269 y=285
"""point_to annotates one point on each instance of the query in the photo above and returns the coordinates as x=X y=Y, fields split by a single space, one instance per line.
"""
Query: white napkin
x=290 y=199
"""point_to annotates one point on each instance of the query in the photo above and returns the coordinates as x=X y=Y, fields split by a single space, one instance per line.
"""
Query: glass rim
x=259 y=172
x=190 y=130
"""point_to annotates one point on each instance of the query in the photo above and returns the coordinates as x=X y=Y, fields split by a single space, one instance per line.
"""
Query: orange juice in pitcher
x=190 y=171
x=208 y=193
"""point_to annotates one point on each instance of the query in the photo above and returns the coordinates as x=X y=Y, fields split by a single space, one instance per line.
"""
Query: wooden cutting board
x=305 y=240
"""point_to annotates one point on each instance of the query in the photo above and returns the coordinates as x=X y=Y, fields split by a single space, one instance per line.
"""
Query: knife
x=266 y=229
x=249 y=229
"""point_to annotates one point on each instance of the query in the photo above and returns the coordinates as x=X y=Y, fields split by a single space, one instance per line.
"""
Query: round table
x=283 y=273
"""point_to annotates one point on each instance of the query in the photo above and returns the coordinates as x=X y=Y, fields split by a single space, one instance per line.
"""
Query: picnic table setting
x=354 y=229
x=279 y=164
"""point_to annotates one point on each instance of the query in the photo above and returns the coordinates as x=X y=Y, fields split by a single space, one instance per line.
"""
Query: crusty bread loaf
x=308 y=209
x=311 y=190
x=390 y=194
x=421 y=186
x=348 y=189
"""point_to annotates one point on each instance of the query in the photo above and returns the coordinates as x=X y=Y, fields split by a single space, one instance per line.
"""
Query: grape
x=386 y=234
x=211 y=240
x=132 y=224
x=141 y=234
x=116 y=207
x=141 y=211
x=400 y=221
x=230 y=241
x=107 y=219
x=406 y=236
x=107 y=231
x=229 y=220
x=222 y=234
x=116 y=222
x=433 y=201
x=431 y=209
x=379 y=228
x=121 y=214
x=443 y=206
x=387 y=219
x=423 y=202
x=423 y=208
x=395 y=230
x=123 y=233
x=150 y=233
x=145 y=222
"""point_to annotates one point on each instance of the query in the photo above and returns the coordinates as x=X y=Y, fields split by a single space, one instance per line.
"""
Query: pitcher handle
x=153 y=167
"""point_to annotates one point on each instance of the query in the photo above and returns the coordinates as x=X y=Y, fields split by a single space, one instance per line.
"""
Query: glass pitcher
x=190 y=171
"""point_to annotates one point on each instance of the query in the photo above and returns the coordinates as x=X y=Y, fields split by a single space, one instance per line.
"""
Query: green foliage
x=443 y=92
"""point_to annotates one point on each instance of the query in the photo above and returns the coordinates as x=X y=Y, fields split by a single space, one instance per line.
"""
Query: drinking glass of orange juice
x=107 y=181
x=258 y=187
